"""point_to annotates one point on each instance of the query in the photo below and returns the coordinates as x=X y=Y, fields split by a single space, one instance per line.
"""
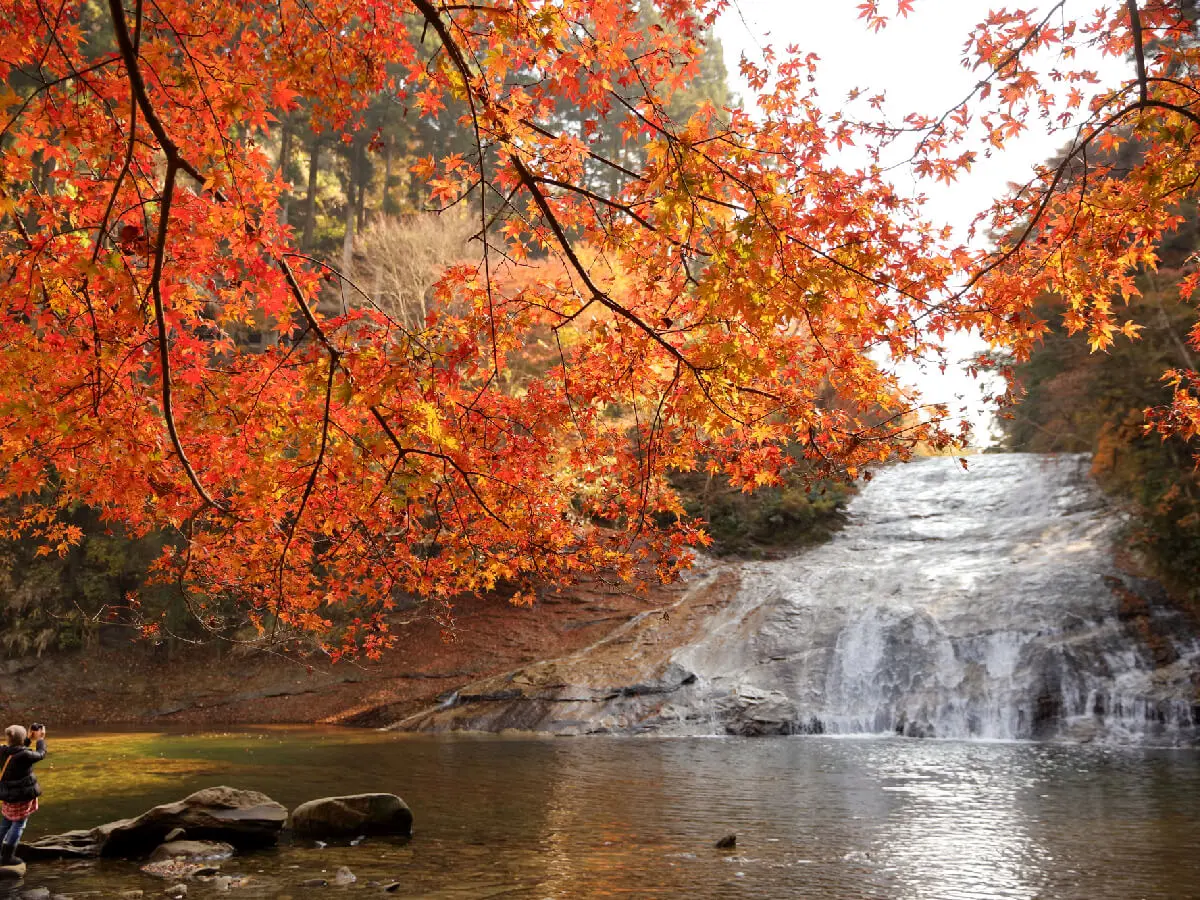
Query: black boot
x=8 y=855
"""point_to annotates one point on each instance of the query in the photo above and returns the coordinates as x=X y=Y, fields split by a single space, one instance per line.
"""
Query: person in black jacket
x=19 y=788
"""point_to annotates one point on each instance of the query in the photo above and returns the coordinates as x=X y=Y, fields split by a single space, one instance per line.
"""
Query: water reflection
x=815 y=817
x=960 y=831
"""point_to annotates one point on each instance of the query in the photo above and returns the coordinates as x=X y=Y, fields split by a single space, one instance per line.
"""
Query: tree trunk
x=285 y=159
x=385 y=202
x=361 y=177
x=348 y=238
x=310 y=202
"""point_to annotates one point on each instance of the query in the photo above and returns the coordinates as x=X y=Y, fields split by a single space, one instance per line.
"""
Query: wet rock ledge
x=187 y=839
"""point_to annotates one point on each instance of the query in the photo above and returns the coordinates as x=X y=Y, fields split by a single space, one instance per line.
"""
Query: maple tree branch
x=564 y=241
x=483 y=219
x=174 y=164
x=316 y=469
x=302 y=304
x=434 y=19
x=164 y=348
x=1139 y=52
x=603 y=160
x=1160 y=79
x=357 y=288
x=137 y=83
x=1012 y=56
x=619 y=207
x=46 y=85
x=125 y=165
x=1061 y=172
x=1192 y=117
x=376 y=413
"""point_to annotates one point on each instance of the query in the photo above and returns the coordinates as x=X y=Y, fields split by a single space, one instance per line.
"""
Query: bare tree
x=397 y=260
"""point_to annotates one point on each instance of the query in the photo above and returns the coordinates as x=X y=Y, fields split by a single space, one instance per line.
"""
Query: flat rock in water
x=16 y=871
x=353 y=815
x=70 y=845
x=244 y=819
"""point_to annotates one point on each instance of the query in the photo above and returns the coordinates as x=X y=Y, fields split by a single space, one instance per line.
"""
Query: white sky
x=917 y=63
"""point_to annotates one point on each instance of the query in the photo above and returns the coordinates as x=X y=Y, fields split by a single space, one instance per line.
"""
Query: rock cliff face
x=955 y=604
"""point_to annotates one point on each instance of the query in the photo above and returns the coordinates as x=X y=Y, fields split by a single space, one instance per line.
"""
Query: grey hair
x=16 y=735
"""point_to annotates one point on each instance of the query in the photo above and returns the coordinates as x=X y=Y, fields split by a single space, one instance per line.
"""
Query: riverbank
x=219 y=685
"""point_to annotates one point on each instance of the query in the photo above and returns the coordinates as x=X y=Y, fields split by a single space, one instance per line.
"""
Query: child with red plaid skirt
x=19 y=788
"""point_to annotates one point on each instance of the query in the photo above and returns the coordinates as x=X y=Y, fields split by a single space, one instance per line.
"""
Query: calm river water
x=634 y=817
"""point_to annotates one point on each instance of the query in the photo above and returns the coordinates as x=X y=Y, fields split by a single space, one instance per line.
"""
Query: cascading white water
x=983 y=603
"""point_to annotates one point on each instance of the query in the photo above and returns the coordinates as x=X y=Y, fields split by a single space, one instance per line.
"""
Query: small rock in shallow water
x=176 y=890
x=223 y=883
x=192 y=850
x=176 y=868
x=344 y=877
x=36 y=894
x=314 y=882
x=730 y=840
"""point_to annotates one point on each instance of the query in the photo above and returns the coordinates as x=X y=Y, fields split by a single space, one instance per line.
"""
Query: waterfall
x=960 y=604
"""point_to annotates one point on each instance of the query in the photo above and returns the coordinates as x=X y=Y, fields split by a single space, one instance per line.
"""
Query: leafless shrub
x=398 y=260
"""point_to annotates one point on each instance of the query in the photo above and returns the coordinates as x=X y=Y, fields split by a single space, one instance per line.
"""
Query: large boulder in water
x=245 y=819
x=353 y=815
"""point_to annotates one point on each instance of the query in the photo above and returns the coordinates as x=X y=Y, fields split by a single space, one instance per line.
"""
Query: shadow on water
x=592 y=817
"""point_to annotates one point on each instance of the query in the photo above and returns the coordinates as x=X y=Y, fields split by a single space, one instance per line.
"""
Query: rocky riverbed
x=188 y=842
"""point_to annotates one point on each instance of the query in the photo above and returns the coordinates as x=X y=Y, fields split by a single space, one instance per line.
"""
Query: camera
x=37 y=727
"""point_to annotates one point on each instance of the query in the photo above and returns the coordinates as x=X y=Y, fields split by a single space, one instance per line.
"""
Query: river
x=820 y=817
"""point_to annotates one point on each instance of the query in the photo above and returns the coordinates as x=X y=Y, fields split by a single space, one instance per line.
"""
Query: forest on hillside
x=1069 y=399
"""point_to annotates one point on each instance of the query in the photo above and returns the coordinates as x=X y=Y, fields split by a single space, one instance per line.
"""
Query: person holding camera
x=19 y=788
